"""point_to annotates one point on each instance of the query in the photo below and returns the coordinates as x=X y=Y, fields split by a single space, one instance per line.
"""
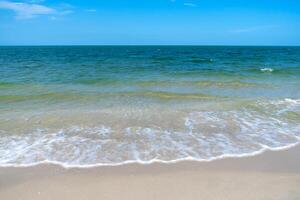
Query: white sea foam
x=267 y=69
x=292 y=101
x=207 y=136
x=188 y=158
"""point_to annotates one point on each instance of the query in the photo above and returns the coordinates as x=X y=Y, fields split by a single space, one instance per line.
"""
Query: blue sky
x=190 y=22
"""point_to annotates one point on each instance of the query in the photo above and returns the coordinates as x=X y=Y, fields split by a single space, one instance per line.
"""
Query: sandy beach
x=108 y=106
x=269 y=176
x=149 y=100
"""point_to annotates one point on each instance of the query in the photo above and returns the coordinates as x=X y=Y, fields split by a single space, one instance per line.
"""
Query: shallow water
x=107 y=105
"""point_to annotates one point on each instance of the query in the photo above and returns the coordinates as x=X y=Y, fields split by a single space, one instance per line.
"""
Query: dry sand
x=269 y=176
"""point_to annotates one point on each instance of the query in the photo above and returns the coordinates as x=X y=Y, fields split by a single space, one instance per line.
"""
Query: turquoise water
x=94 y=105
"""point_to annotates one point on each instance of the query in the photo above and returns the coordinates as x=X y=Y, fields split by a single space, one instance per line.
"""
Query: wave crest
x=267 y=69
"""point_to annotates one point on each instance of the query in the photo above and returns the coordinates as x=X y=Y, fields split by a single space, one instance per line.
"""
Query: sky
x=150 y=22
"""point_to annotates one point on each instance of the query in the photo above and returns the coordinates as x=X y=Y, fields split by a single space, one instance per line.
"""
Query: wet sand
x=269 y=176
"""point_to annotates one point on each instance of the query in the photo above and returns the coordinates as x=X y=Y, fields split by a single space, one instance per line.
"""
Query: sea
x=86 y=106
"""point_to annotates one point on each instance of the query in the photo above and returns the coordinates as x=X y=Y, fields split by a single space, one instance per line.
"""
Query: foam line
x=189 y=158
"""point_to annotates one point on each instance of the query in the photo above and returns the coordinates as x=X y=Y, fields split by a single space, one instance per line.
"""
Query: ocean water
x=83 y=106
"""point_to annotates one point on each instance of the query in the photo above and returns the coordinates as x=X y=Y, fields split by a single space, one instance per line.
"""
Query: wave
x=204 y=136
x=68 y=166
x=61 y=96
x=201 y=60
x=163 y=58
x=267 y=70
x=4 y=85
x=203 y=83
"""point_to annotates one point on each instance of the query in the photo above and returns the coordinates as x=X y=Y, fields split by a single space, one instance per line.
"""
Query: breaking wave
x=206 y=136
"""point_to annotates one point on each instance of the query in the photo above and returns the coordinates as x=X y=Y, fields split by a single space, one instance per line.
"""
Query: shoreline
x=155 y=161
x=270 y=175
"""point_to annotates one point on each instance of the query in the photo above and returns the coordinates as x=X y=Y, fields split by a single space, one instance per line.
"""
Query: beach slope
x=269 y=176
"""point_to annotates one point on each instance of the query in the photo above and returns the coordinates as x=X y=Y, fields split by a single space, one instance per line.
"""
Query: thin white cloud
x=190 y=4
x=32 y=9
x=90 y=10
x=253 y=29
x=65 y=6
x=64 y=12
x=26 y=10
x=34 y=1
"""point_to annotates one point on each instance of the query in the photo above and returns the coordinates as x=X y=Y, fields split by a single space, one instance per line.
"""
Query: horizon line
x=207 y=45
